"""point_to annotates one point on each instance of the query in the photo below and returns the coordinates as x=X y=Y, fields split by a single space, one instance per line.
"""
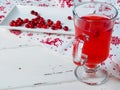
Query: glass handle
x=79 y=58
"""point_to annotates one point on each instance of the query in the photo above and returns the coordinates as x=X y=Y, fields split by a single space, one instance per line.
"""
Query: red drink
x=99 y=31
x=93 y=23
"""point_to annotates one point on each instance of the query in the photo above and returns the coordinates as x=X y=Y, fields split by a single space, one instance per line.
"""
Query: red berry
x=69 y=18
x=58 y=22
x=39 y=25
x=34 y=20
x=60 y=27
x=49 y=20
x=49 y=23
x=27 y=25
x=20 y=19
x=65 y=28
x=18 y=23
x=26 y=20
x=53 y=28
x=36 y=14
x=42 y=19
x=45 y=26
x=12 y=23
x=38 y=17
x=30 y=25
x=32 y=12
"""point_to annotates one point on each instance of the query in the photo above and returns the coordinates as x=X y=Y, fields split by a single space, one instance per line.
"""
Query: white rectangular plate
x=54 y=13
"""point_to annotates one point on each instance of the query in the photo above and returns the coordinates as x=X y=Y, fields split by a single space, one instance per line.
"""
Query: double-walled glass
x=93 y=23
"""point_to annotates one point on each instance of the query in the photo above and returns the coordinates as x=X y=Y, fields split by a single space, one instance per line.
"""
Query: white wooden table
x=37 y=68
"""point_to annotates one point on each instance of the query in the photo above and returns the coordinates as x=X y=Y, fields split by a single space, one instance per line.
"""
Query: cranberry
x=45 y=26
x=65 y=28
x=69 y=18
x=38 y=17
x=18 y=23
x=59 y=27
x=32 y=12
x=26 y=20
x=35 y=21
x=53 y=28
x=49 y=22
x=42 y=19
x=42 y=22
x=20 y=19
x=36 y=14
x=12 y=23
x=58 y=22
x=39 y=25
x=30 y=24
x=27 y=25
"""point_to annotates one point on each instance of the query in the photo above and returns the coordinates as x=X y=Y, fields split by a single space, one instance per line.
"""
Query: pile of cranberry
x=39 y=22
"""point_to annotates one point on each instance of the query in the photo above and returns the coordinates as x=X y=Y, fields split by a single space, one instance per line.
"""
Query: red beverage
x=99 y=30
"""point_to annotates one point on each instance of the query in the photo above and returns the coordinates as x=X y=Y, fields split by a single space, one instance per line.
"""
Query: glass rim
x=82 y=3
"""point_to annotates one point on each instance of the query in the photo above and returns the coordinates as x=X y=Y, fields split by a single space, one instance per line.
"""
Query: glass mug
x=93 y=22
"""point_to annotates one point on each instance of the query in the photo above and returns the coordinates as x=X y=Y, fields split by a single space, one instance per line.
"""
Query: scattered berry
x=65 y=28
x=69 y=18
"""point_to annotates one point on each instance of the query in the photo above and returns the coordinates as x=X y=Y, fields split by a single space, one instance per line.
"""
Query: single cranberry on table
x=69 y=18
x=65 y=28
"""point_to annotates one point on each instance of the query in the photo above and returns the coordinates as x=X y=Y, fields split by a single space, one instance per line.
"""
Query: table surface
x=23 y=70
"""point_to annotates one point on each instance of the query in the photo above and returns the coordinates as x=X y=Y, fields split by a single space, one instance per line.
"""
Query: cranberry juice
x=99 y=31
